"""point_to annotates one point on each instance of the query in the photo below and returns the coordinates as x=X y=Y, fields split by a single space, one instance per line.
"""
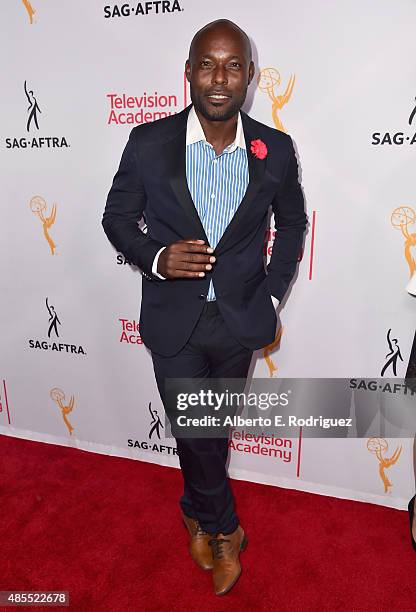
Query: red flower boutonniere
x=258 y=148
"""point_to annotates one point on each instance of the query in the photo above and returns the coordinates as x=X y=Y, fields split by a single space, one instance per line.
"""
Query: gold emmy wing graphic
x=37 y=206
x=268 y=81
x=268 y=349
x=58 y=397
x=402 y=218
x=378 y=447
x=30 y=10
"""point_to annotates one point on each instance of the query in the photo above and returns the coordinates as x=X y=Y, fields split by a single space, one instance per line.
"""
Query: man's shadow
x=251 y=92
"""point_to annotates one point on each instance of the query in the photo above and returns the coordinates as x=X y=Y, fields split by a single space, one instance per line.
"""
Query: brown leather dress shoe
x=225 y=551
x=199 y=548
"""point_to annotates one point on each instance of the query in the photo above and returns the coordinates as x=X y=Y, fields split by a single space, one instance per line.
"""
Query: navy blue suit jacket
x=151 y=183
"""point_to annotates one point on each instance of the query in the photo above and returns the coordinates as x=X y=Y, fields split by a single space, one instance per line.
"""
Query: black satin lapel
x=175 y=152
x=256 y=168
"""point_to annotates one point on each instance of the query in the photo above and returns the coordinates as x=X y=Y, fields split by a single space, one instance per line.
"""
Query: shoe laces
x=217 y=547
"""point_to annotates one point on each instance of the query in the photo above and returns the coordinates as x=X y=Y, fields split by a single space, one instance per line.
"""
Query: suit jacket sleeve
x=124 y=208
x=290 y=222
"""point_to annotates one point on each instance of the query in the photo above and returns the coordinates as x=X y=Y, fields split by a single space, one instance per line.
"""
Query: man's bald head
x=222 y=26
x=219 y=69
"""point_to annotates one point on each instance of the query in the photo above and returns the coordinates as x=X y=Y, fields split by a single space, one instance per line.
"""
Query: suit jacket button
x=201 y=297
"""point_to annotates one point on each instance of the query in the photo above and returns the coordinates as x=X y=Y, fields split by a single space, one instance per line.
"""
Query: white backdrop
x=88 y=384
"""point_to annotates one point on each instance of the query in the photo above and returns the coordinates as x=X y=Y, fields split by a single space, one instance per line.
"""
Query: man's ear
x=188 y=70
x=251 y=71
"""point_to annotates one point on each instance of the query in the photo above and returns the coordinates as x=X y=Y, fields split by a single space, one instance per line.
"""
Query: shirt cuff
x=154 y=265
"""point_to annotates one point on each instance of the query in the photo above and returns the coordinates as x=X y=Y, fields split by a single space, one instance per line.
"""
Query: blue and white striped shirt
x=217 y=183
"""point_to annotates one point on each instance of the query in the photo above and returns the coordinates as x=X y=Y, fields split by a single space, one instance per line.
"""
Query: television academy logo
x=268 y=81
x=58 y=396
x=402 y=218
x=268 y=350
x=157 y=7
x=29 y=9
x=130 y=332
x=268 y=243
x=378 y=447
x=154 y=431
x=269 y=238
x=38 y=207
x=396 y=138
x=392 y=356
x=265 y=445
x=4 y=403
x=126 y=109
x=32 y=123
x=53 y=330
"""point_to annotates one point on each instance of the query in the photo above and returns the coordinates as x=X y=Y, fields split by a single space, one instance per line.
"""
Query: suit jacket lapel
x=256 y=168
x=175 y=152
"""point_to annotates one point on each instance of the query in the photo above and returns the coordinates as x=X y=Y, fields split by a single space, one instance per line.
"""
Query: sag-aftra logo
x=34 y=120
x=54 y=342
x=155 y=433
x=142 y=8
x=397 y=137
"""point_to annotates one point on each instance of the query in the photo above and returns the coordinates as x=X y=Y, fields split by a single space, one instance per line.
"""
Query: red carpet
x=107 y=530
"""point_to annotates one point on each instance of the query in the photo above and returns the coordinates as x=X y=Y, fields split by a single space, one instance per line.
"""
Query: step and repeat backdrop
x=76 y=78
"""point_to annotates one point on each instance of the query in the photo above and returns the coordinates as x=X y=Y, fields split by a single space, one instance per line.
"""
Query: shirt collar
x=195 y=133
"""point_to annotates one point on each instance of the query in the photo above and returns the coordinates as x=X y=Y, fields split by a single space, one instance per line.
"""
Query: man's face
x=219 y=71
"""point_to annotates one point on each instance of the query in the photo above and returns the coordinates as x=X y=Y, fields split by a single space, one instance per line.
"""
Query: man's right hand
x=185 y=259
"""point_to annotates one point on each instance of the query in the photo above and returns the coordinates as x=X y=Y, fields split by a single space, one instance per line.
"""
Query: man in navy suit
x=204 y=180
